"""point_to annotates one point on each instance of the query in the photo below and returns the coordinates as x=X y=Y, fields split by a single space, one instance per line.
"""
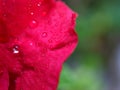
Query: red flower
x=36 y=37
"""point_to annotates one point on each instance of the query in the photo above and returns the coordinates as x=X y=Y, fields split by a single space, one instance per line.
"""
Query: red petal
x=4 y=80
x=37 y=36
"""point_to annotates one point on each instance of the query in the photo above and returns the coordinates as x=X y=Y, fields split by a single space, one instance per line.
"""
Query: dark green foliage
x=98 y=25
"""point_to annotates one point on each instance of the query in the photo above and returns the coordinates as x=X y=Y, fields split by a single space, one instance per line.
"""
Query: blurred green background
x=95 y=64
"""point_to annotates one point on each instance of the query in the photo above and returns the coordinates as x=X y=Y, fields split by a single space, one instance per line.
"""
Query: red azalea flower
x=36 y=37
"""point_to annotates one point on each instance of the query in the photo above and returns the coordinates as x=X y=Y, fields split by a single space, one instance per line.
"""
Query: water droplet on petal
x=44 y=34
x=16 y=49
x=50 y=41
x=39 y=4
x=31 y=44
x=33 y=24
x=32 y=13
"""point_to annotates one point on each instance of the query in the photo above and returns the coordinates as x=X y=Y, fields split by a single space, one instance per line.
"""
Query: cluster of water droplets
x=34 y=23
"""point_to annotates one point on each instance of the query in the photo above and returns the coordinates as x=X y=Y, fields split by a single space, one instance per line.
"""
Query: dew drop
x=39 y=4
x=32 y=13
x=31 y=44
x=50 y=41
x=16 y=49
x=44 y=34
x=33 y=24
